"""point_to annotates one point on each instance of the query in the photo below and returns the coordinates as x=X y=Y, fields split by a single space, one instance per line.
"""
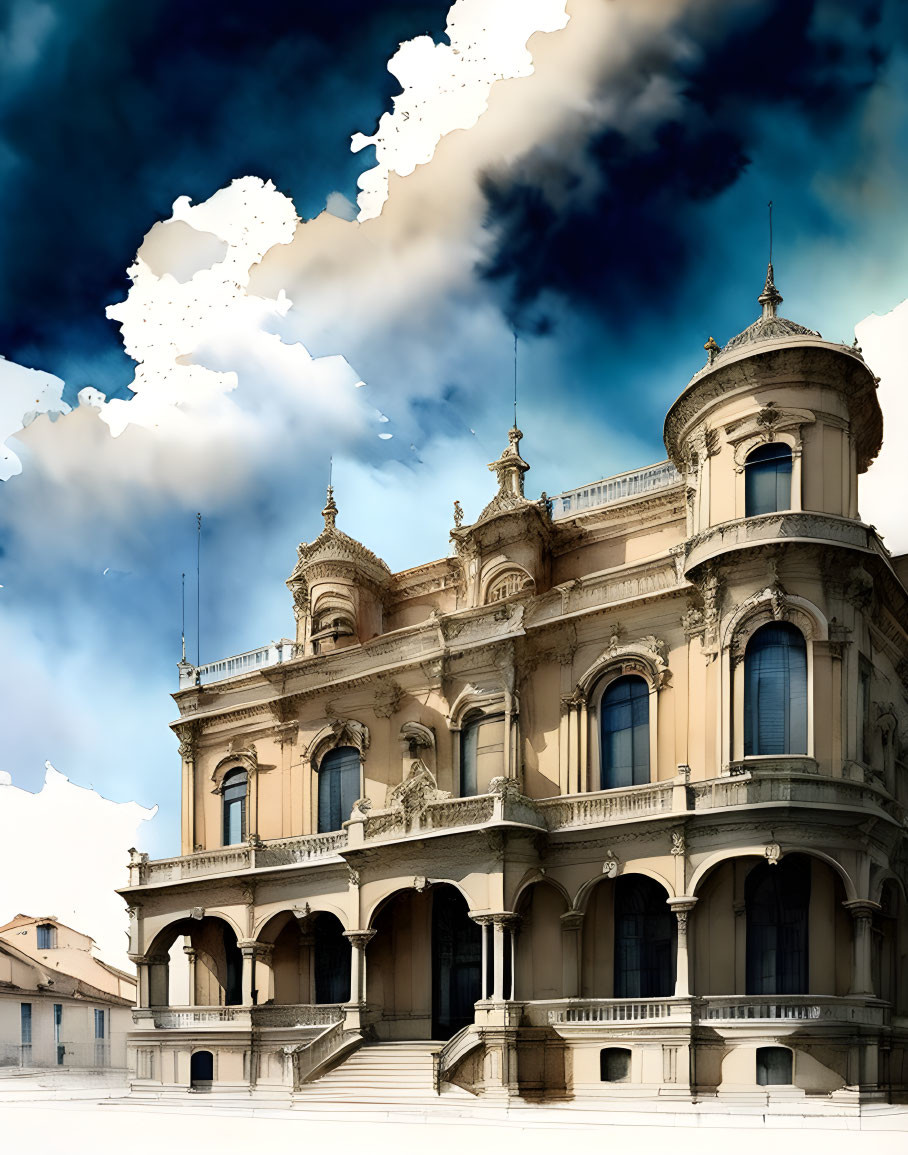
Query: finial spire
x=770 y=298
x=515 y=378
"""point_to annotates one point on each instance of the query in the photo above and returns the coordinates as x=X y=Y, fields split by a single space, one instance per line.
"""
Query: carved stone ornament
x=772 y=853
x=352 y=875
x=339 y=732
x=610 y=866
x=361 y=808
x=678 y=843
x=420 y=882
x=387 y=700
x=415 y=737
x=197 y=913
x=414 y=794
x=693 y=622
x=187 y=733
x=646 y=656
x=859 y=590
x=302 y=914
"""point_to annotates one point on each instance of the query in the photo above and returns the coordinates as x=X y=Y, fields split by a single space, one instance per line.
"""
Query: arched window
x=644 y=939
x=767 y=479
x=338 y=786
x=481 y=752
x=201 y=1070
x=777 y=902
x=775 y=691
x=624 y=727
x=234 y=795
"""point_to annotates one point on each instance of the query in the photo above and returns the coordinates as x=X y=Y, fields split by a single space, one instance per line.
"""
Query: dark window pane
x=644 y=939
x=338 y=786
x=767 y=480
x=775 y=691
x=777 y=900
x=625 y=733
x=773 y=1066
x=234 y=803
x=614 y=1065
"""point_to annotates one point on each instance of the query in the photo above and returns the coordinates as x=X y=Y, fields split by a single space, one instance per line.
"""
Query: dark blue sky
x=615 y=242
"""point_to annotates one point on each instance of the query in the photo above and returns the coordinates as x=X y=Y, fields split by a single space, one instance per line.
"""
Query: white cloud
x=884 y=341
x=63 y=851
x=24 y=393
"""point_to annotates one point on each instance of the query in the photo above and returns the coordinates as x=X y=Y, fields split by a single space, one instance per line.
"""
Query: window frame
x=472 y=703
x=749 y=470
x=50 y=931
x=621 y=669
x=234 y=773
x=318 y=786
x=749 y=661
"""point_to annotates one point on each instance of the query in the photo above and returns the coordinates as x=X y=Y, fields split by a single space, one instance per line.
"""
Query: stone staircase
x=391 y=1073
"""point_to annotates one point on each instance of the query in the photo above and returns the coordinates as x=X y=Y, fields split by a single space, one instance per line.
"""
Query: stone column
x=359 y=940
x=186 y=733
x=142 y=979
x=263 y=986
x=247 y=950
x=482 y=921
x=571 y=925
x=862 y=912
x=158 y=994
x=190 y=958
x=503 y=926
x=682 y=908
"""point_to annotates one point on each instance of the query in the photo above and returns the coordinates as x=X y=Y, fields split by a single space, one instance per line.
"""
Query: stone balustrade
x=794 y=1009
x=764 y=782
x=569 y=811
x=297 y=1015
x=782 y=526
x=597 y=1012
x=181 y=1018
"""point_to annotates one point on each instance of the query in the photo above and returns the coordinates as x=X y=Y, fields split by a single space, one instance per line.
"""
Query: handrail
x=456 y=1048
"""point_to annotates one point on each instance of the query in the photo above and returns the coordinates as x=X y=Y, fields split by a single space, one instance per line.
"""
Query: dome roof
x=768 y=329
x=769 y=326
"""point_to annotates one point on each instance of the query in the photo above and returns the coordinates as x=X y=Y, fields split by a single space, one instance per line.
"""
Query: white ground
x=51 y=1125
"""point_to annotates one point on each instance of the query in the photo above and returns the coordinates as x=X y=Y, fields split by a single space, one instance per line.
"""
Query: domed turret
x=778 y=420
x=338 y=586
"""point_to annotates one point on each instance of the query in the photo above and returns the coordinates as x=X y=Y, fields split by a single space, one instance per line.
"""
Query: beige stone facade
x=61 y=1006
x=609 y=803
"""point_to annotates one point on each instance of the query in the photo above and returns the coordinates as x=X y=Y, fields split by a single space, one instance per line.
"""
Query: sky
x=237 y=240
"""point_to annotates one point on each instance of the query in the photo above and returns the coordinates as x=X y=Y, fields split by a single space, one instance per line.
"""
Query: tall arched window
x=234 y=795
x=624 y=729
x=644 y=939
x=775 y=691
x=777 y=901
x=767 y=479
x=338 y=786
x=481 y=752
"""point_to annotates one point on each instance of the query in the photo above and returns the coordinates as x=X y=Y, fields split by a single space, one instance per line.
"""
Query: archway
x=310 y=959
x=201 y=1070
x=629 y=940
x=423 y=966
x=216 y=967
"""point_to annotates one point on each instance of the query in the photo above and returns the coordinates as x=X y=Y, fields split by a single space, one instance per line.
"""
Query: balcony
x=775 y=782
x=621 y=487
x=790 y=525
x=723 y=1012
x=309 y=1018
x=250 y=661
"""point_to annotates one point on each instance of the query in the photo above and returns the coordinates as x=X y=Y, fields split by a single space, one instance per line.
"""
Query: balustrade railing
x=793 y=1008
x=309 y=1059
x=635 y=483
x=297 y=1015
x=175 y=1018
x=606 y=806
x=570 y=1012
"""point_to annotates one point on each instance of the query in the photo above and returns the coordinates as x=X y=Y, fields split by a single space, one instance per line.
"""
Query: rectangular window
x=47 y=937
x=24 y=1033
x=99 y=1024
x=481 y=753
x=58 y=1027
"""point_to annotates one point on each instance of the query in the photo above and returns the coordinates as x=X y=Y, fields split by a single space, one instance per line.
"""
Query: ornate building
x=608 y=804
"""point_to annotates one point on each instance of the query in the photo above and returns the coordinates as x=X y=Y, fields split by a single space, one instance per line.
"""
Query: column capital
x=572 y=920
x=507 y=919
x=860 y=908
x=359 y=939
x=683 y=904
x=250 y=948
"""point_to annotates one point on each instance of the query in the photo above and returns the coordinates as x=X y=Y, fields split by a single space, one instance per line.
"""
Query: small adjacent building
x=60 y=1005
x=608 y=804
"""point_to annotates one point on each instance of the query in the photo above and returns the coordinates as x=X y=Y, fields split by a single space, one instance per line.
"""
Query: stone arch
x=504 y=580
x=306 y=958
x=320 y=907
x=341 y=732
x=772 y=604
x=418 y=884
x=760 y=851
x=534 y=876
x=215 y=969
x=245 y=759
x=167 y=935
x=582 y=897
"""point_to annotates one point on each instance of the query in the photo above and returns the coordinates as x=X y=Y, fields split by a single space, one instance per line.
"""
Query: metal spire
x=770 y=298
